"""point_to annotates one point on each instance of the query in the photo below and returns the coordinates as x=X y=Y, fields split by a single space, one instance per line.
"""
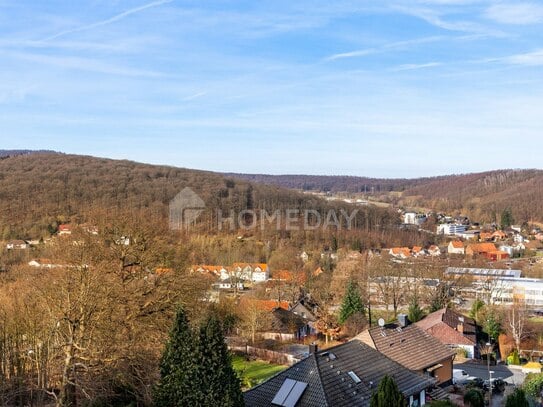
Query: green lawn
x=255 y=371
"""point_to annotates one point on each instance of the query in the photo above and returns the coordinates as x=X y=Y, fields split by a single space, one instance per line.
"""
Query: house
x=255 y=272
x=43 y=263
x=306 y=308
x=342 y=376
x=400 y=252
x=433 y=250
x=163 y=270
x=305 y=257
x=217 y=271
x=318 y=271
x=283 y=325
x=289 y=277
x=64 y=230
x=482 y=249
x=413 y=218
x=452 y=329
x=17 y=245
x=412 y=347
x=229 y=284
x=499 y=235
x=450 y=229
x=263 y=305
x=417 y=251
x=455 y=247
x=485 y=236
x=482 y=274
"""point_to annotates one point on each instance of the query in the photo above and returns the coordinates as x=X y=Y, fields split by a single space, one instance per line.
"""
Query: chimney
x=460 y=325
x=313 y=348
x=403 y=321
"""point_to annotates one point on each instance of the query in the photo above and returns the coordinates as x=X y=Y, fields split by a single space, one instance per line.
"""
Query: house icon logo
x=185 y=209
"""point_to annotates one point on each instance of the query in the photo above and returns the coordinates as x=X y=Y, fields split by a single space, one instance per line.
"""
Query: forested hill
x=37 y=191
x=333 y=183
x=480 y=195
x=13 y=153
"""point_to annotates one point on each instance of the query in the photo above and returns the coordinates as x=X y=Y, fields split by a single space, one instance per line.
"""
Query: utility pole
x=489 y=351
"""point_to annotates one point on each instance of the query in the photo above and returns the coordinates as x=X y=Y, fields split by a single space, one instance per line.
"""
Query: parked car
x=476 y=382
x=461 y=377
x=498 y=385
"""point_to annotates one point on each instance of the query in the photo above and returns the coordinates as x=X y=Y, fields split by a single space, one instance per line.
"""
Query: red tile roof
x=443 y=325
x=457 y=244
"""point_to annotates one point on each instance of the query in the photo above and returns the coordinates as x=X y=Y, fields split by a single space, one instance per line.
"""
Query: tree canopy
x=352 y=302
x=388 y=394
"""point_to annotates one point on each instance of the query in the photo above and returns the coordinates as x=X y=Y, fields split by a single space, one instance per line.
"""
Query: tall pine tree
x=217 y=378
x=414 y=312
x=178 y=367
x=352 y=303
x=388 y=394
x=196 y=369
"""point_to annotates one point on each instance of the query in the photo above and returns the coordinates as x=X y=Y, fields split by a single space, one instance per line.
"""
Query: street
x=510 y=376
x=502 y=371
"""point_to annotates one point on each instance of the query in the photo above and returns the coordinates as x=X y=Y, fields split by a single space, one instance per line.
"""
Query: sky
x=383 y=88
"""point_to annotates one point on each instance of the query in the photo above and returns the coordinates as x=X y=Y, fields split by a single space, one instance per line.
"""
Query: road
x=515 y=377
x=502 y=371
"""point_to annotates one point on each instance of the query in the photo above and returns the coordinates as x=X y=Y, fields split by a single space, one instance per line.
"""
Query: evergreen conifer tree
x=414 y=312
x=388 y=394
x=352 y=303
x=220 y=386
x=178 y=367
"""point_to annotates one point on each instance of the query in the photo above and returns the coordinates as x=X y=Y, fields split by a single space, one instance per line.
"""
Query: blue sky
x=388 y=88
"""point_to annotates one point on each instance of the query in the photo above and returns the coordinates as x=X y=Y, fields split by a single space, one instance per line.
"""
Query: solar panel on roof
x=289 y=394
x=283 y=392
x=295 y=394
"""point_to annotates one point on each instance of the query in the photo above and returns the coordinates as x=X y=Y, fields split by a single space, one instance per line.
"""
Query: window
x=355 y=378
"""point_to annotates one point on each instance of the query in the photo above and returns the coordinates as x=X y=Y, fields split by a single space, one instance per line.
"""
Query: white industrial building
x=450 y=229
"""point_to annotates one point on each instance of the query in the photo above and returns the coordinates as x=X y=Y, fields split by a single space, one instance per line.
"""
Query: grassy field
x=255 y=371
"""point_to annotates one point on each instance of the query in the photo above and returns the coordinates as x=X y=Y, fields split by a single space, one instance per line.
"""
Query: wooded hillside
x=483 y=196
x=39 y=191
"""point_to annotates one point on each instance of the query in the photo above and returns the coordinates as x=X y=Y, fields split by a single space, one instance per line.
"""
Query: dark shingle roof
x=283 y=321
x=329 y=383
x=410 y=346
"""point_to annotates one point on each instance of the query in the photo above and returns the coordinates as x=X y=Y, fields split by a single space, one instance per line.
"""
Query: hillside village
x=423 y=318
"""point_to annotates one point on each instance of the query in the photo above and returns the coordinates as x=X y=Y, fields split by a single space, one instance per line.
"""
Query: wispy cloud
x=82 y=64
x=109 y=20
x=534 y=58
x=410 y=67
x=436 y=18
x=392 y=46
x=195 y=96
x=515 y=13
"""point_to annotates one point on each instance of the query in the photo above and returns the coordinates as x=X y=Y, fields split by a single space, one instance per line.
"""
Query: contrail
x=109 y=20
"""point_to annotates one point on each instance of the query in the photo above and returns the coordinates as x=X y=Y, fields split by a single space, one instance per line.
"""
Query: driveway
x=511 y=376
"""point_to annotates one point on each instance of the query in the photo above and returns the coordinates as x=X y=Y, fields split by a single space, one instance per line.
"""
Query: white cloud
x=82 y=64
x=410 y=67
x=534 y=58
x=516 y=13
x=109 y=20
x=384 y=48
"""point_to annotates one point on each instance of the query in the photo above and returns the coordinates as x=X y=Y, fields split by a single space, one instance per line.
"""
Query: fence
x=266 y=354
